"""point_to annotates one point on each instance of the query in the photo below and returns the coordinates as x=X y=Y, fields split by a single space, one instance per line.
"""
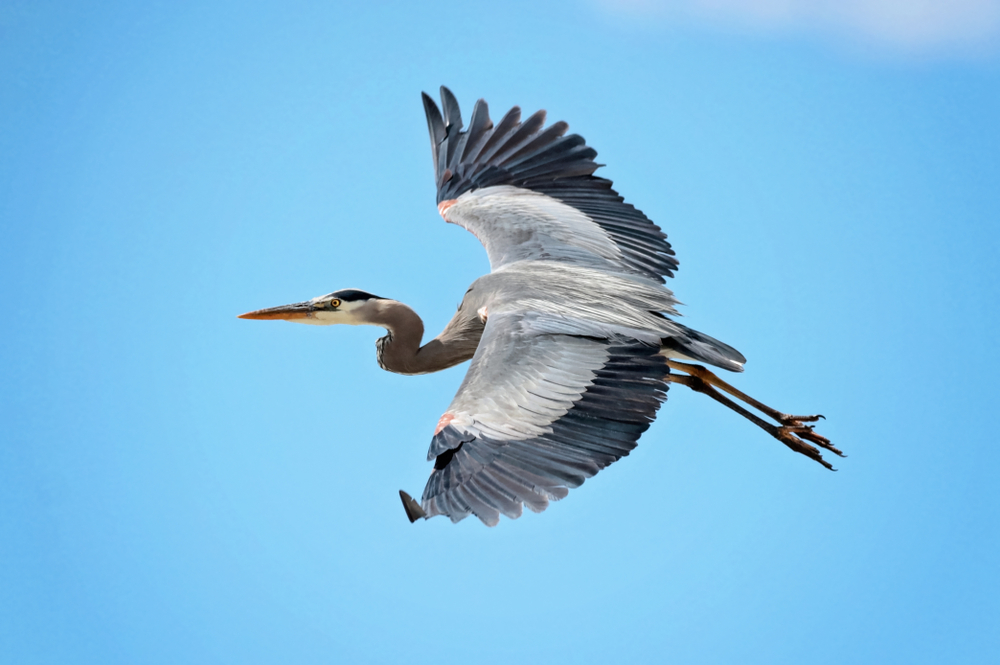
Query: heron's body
x=570 y=335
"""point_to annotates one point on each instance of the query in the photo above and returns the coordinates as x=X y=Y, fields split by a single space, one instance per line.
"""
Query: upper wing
x=537 y=414
x=543 y=180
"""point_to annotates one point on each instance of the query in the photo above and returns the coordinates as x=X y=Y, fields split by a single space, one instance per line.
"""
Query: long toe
x=792 y=420
x=795 y=438
x=822 y=441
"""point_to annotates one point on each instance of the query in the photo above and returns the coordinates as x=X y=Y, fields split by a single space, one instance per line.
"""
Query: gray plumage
x=570 y=334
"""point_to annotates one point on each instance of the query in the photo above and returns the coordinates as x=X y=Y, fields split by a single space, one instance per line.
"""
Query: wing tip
x=412 y=508
x=434 y=118
x=450 y=108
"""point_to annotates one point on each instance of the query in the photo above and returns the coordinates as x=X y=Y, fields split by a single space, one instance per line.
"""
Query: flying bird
x=571 y=335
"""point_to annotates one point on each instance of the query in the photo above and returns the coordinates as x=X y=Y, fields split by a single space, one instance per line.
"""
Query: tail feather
x=693 y=345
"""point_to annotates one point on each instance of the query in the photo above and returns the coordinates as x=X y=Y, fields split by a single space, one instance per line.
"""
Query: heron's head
x=347 y=306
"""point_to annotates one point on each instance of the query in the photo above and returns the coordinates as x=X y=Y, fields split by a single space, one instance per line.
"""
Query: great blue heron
x=570 y=334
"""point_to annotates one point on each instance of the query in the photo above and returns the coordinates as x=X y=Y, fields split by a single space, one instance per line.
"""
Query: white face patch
x=346 y=314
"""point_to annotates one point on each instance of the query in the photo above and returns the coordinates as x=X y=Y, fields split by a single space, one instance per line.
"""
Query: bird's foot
x=798 y=436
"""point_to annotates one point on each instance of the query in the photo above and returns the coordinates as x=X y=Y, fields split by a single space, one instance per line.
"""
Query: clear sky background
x=180 y=486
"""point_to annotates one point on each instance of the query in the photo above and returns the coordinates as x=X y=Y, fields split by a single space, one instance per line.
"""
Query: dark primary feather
x=435 y=126
x=544 y=160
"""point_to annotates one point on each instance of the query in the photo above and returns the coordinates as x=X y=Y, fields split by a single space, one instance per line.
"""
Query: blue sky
x=178 y=485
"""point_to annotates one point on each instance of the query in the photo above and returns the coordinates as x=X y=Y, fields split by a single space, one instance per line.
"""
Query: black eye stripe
x=353 y=295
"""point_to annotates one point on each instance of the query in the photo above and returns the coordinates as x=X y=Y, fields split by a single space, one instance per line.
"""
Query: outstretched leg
x=791 y=430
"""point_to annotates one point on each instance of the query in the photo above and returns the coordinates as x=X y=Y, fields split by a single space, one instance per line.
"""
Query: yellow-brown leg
x=791 y=430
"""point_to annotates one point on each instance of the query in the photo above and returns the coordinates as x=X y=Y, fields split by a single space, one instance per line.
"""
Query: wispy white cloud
x=914 y=26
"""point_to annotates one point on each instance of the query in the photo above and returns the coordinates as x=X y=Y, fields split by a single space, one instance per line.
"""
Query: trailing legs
x=790 y=430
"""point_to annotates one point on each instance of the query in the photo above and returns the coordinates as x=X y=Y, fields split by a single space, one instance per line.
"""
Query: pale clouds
x=912 y=26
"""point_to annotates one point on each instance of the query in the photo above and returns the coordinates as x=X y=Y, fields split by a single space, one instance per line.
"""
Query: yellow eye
x=335 y=302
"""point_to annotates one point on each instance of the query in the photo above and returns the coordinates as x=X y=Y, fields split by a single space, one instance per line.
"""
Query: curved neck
x=400 y=350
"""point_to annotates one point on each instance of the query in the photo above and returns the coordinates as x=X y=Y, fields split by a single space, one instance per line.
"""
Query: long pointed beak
x=299 y=310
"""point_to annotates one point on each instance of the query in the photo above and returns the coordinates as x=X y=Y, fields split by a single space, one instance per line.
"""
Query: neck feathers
x=397 y=351
x=400 y=350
